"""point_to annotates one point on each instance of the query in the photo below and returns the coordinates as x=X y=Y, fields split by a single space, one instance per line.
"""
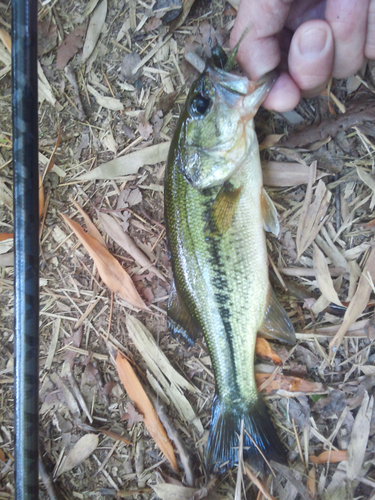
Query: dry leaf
x=264 y=350
x=311 y=482
x=110 y=270
x=270 y=140
x=52 y=159
x=312 y=216
x=70 y=46
x=6 y=39
x=131 y=415
x=95 y=27
x=323 y=276
x=359 y=437
x=167 y=491
x=91 y=228
x=80 y=451
x=331 y=456
x=6 y=242
x=358 y=303
x=167 y=377
x=288 y=384
x=176 y=23
x=284 y=174
x=107 y=102
x=129 y=164
x=137 y=394
x=115 y=231
x=6 y=236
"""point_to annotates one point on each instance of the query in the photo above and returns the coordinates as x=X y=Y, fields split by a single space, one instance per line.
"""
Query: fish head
x=216 y=129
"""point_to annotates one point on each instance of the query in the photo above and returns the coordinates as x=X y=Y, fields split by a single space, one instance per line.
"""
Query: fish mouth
x=260 y=90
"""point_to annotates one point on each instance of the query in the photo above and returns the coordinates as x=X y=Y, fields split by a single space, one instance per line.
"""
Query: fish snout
x=259 y=90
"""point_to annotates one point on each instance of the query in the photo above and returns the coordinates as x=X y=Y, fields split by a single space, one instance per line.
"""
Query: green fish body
x=215 y=210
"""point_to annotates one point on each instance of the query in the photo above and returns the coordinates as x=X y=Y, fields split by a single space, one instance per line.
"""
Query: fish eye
x=199 y=105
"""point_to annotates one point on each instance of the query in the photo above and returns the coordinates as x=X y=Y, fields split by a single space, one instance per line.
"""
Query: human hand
x=310 y=41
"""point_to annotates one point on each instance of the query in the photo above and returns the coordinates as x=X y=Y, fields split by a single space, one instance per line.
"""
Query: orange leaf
x=110 y=270
x=137 y=394
x=333 y=457
x=91 y=228
x=289 y=384
x=2 y=455
x=6 y=236
x=264 y=350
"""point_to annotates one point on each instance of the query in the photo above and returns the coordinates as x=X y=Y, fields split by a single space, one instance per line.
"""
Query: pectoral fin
x=277 y=324
x=224 y=209
x=180 y=322
x=269 y=212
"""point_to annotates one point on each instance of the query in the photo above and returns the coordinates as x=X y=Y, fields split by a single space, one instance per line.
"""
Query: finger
x=348 y=21
x=370 y=38
x=259 y=51
x=311 y=56
x=284 y=96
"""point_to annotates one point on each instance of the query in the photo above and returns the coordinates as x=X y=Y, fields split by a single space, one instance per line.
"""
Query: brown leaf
x=358 y=303
x=70 y=46
x=264 y=350
x=47 y=36
x=80 y=451
x=110 y=270
x=115 y=231
x=357 y=113
x=6 y=236
x=132 y=416
x=91 y=228
x=312 y=217
x=289 y=384
x=95 y=28
x=323 y=276
x=270 y=140
x=137 y=394
x=332 y=457
x=284 y=174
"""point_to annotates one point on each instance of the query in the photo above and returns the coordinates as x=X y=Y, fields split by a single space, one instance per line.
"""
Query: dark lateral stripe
x=220 y=282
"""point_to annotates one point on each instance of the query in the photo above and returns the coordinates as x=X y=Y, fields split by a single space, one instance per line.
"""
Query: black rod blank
x=26 y=237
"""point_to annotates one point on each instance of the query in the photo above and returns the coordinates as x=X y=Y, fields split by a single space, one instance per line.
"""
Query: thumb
x=311 y=56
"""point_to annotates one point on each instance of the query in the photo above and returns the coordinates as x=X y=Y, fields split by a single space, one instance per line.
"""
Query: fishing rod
x=26 y=244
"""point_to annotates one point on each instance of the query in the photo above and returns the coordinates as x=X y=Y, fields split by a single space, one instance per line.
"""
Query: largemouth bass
x=215 y=213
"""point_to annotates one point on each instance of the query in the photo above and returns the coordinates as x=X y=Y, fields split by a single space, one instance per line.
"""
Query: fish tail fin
x=222 y=446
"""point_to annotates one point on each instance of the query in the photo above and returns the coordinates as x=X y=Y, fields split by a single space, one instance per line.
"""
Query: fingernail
x=313 y=41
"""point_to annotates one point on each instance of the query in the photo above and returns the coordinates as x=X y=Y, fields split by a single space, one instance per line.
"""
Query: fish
x=216 y=214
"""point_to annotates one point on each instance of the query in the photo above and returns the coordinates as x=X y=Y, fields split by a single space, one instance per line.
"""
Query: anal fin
x=276 y=323
x=180 y=322
x=269 y=212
